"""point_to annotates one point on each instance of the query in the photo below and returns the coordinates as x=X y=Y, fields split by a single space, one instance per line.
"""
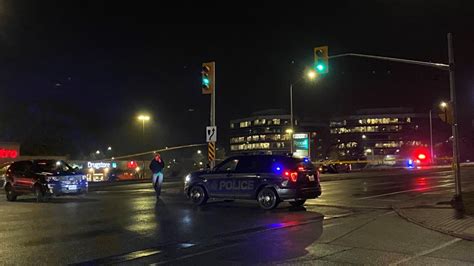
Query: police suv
x=269 y=179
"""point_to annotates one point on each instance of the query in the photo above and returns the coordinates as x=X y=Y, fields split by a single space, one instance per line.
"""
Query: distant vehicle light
x=421 y=156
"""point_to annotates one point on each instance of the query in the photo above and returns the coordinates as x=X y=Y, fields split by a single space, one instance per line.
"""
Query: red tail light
x=293 y=176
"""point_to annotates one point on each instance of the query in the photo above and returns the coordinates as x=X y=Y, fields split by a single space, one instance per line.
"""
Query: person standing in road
x=156 y=166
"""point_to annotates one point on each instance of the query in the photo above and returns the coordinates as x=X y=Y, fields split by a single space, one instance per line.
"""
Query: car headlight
x=187 y=178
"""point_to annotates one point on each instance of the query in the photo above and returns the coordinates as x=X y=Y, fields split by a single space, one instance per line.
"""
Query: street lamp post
x=311 y=76
x=431 y=137
x=143 y=119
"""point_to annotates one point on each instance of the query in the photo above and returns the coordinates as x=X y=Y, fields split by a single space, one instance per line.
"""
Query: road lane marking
x=404 y=191
x=426 y=252
x=196 y=254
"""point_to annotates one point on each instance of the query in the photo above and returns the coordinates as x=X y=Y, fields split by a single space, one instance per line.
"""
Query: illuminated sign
x=301 y=145
x=99 y=165
x=300 y=136
x=132 y=164
x=8 y=154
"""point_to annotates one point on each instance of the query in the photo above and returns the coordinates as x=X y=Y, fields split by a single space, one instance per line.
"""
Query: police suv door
x=217 y=182
x=245 y=180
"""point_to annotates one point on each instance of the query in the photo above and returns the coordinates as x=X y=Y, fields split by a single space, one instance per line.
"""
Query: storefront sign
x=99 y=165
x=9 y=150
x=8 y=154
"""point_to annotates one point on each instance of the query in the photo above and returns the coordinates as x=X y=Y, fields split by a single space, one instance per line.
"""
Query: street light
x=109 y=148
x=143 y=118
x=311 y=74
x=199 y=151
x=97 y=152
x=444 y=106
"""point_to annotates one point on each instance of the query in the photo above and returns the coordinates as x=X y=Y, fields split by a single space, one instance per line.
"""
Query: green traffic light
x=320 y=67
x=205 y=81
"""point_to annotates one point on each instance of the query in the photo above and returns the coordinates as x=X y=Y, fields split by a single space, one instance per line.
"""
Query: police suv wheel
x=297 y=203
x=11 y=196
x=39 y=194
x=267 y=199
x=198 y=195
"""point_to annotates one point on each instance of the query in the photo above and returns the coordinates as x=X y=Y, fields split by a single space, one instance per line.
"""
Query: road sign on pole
x=211 y=134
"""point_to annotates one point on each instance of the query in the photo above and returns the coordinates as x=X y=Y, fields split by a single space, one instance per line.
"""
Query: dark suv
x=43 y=178
x=269 y=179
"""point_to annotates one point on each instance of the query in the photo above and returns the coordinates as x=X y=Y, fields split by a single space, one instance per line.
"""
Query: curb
x=434 y=228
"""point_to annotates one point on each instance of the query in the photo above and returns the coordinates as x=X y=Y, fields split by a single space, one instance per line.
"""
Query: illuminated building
x=381 y=134
x=269 y=132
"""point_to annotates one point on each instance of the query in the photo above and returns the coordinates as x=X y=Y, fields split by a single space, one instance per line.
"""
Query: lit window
x=245 y=124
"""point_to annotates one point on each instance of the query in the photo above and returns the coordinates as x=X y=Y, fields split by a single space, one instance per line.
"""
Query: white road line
x=426 y=252
x=403 y=191
x=194 y=254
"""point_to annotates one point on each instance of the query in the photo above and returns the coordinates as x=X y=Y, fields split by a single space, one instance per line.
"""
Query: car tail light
x=293 y=176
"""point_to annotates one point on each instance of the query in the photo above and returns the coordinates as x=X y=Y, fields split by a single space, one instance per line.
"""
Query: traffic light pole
x=213 y=112
x=457 y=199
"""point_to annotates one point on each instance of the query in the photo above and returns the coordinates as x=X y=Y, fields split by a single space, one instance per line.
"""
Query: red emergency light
x=8 y=154
x=421 y=156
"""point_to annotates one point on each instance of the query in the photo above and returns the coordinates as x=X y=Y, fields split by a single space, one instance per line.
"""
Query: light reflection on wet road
x=128 y=220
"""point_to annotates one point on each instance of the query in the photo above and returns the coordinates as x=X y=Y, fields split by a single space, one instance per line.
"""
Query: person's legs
x=154 y=181
x=159 y=182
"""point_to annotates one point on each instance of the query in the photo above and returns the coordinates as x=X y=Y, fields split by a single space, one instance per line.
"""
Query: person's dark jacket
x=157 y=167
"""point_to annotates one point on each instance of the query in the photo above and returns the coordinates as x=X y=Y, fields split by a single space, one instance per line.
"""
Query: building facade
x=379 y=134
x=267 y=132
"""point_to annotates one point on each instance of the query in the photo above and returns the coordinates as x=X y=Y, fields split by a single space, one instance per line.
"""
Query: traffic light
x=321 y=59
x=208 y=77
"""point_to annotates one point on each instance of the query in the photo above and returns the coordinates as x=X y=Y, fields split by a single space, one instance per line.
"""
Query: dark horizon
x=78 y=73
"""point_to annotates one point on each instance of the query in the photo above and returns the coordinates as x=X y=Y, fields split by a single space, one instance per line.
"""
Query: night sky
x=74 y=74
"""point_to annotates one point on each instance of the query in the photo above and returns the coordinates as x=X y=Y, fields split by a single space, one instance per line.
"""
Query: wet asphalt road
x=352 y=222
